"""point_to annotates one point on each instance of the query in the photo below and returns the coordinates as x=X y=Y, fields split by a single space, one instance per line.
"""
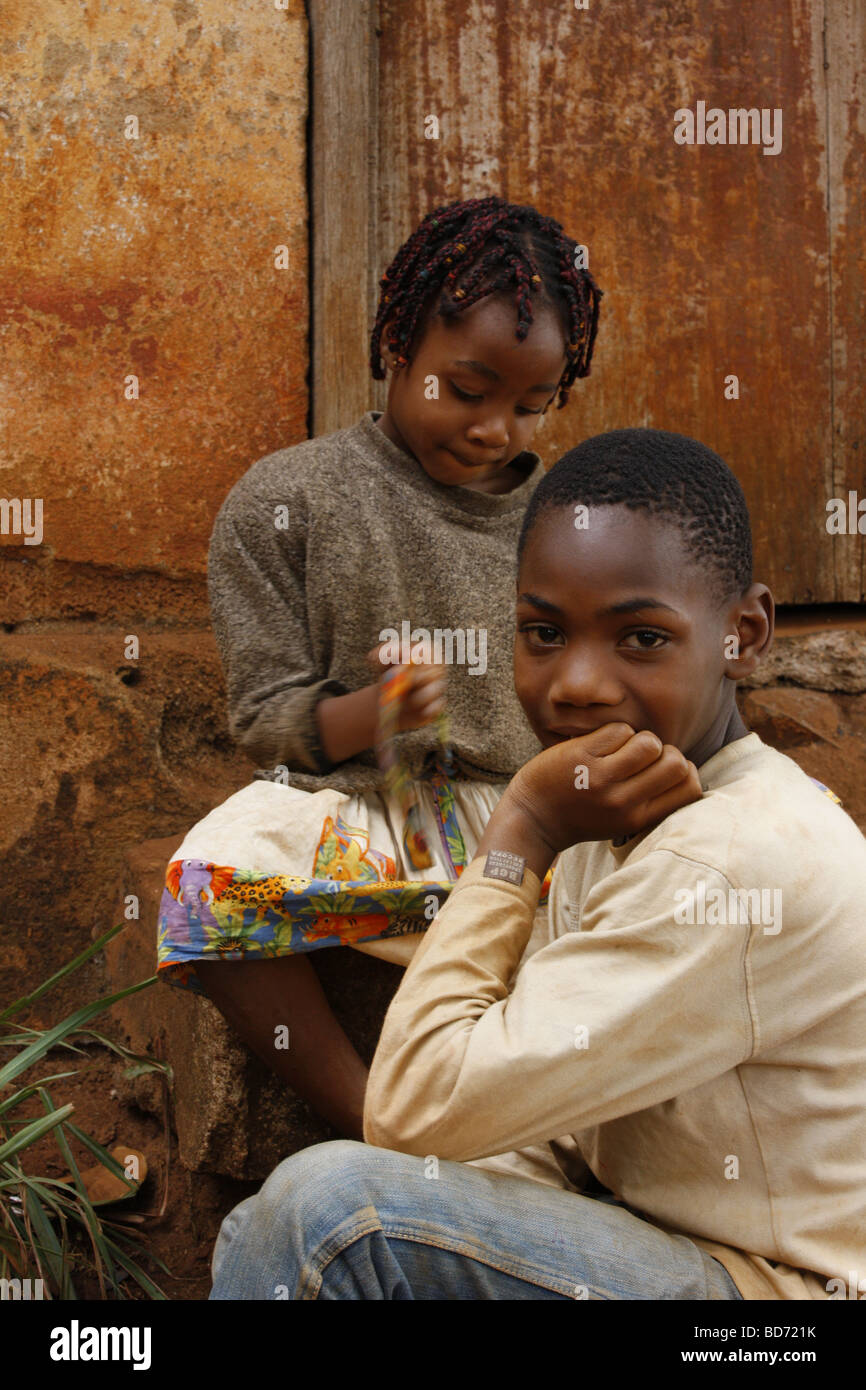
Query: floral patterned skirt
x=275 y=871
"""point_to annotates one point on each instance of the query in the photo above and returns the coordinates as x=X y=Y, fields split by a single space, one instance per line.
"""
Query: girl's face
x=471 y=398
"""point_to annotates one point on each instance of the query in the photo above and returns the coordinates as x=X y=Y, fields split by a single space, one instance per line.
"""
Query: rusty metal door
x=733 y=272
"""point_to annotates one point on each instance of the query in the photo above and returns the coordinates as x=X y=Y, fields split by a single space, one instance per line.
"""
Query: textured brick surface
x=98 y=753
x=787 y=717
x=154 y=257
x=151 y=256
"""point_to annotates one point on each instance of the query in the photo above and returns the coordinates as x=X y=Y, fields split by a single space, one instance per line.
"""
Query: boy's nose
x=582 y=680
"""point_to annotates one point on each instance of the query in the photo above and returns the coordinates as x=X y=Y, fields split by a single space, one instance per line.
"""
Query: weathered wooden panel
x=150 y=256
x=714 y=258
x=345 y=248
x=846 y=72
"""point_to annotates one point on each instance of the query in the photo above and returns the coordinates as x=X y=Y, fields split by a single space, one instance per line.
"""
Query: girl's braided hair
x=467 y=250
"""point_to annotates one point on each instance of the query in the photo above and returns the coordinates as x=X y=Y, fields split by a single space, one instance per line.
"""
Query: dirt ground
x=195 y=1203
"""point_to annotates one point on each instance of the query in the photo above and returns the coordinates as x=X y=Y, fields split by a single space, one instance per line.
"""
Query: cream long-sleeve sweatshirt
x=694 y=1027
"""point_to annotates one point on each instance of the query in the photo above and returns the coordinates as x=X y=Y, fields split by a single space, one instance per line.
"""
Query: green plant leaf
x=63 y=1144
x=28 y=1214
x=139 y=1069
x=51 y=1036
x=28 y=1091
x=103 y=1155
x=151 y=1062
x=60 y=974
x=32 y=1132
x=78 y=1210
x=138 y=1274
x=50 y=1247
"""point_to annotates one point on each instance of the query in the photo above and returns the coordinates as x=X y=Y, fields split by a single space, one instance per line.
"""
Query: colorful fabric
x=276 y=870
x=394 y=690
x=826 y=790
x=358 y=884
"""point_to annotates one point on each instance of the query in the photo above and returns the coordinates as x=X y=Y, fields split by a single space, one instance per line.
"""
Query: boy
x=689 y=1046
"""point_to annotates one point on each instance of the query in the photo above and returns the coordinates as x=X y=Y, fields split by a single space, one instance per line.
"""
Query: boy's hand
x=602 y=785
x=426 y=698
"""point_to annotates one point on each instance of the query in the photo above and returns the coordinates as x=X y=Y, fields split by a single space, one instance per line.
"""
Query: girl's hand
x=601 y=786
x=426 y=698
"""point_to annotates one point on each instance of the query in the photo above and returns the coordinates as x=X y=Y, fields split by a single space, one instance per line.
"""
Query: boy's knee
x=319 y=1187
x=311 y=1168
x=323 y=1185
x=306 y=1199
x=306 y=1195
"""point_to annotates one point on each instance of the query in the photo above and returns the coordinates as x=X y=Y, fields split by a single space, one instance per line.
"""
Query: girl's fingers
x=372 y=658
x=427 y=678
x=420 y=675
x=430 y=704
x=417 y=719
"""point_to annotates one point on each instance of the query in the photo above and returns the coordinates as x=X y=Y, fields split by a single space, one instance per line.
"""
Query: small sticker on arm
x=502 y=864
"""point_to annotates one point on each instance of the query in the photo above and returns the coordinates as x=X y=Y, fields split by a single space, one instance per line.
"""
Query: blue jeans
x=348 y=1221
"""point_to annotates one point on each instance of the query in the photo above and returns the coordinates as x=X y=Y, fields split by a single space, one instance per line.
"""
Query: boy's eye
x=542 y=633
x=646 y=640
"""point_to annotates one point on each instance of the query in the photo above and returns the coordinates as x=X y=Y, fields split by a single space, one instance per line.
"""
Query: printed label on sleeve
x=504 y=865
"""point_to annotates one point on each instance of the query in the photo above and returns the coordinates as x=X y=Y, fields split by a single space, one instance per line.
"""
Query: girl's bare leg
x=260 y=997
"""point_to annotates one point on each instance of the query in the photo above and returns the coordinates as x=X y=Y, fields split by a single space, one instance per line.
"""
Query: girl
x=397 y=534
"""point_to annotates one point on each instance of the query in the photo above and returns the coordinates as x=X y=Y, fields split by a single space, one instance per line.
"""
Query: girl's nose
x=489 y=433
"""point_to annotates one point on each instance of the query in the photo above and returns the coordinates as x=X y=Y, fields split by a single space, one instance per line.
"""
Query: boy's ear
x=749 y=634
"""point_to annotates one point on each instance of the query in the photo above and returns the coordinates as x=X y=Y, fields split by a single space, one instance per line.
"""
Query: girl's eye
x=543 y=634
x=464 y=395
x=468 y=396
x=646 y=640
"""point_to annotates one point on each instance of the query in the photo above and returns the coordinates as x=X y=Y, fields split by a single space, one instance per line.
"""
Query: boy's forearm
x=462 y=968
x=512 y=829
x=347 y=723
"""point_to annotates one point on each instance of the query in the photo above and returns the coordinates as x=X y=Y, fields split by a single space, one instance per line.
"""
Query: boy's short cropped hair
x=667 y=475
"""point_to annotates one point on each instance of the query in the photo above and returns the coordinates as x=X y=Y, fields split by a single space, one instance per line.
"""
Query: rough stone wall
x=153 y=344
x=153 y=159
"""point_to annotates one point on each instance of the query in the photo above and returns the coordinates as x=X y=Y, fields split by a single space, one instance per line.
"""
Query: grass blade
x=52 y=1036
x=138 y=1274
x=50 y=1246
x=32 y=1132
x=88 y=1215
x=60 y=974
x=105 y=1158
x=146 y=1064
x=28 y=1091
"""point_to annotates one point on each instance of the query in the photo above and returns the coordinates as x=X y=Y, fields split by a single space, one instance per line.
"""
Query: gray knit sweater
x=317 y=550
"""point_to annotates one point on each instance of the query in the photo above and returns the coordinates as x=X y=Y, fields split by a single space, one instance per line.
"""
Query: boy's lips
x=573 y=732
